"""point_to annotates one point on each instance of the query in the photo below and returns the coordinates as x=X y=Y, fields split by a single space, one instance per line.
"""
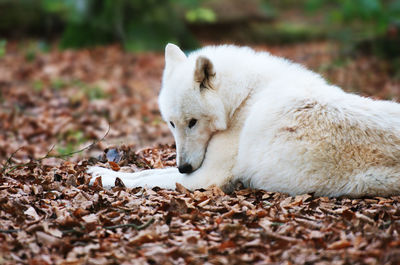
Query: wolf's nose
x=185 y=168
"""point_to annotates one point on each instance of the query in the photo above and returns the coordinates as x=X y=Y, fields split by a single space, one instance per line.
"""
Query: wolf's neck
x=241 y=82
x=236 y=96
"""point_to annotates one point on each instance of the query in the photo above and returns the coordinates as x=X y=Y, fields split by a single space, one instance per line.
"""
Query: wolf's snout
x=185 y=168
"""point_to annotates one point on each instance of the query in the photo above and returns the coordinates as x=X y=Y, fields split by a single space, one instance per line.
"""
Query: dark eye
x=192 y=123
x=172 y=124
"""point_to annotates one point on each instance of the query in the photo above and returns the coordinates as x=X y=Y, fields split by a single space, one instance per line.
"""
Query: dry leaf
x=340 y=244
x=91 y=218
x=119 y=183
x=46 y=239
x=31 y=212
x=114 y=166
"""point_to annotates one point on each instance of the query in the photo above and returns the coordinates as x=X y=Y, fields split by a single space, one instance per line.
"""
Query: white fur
x=273 y=125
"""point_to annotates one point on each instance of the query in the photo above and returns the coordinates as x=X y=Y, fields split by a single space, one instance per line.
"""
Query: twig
x=269 y=233
x=48 y=155
x=9 y=231
x=73 y=230
x=9 y=158
x=137 y=227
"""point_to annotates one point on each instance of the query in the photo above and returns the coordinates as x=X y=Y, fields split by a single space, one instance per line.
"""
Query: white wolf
x=241 y=115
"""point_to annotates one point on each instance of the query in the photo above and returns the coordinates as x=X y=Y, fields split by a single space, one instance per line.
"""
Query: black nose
x=185 y=168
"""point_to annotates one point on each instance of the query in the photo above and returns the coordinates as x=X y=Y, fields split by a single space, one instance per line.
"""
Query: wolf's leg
x=215 y=170
x=166 y=180
x=163 y=178
x=101 y=171
x=108 y=176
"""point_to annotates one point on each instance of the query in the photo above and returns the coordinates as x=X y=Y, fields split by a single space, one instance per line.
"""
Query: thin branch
x=48 y=155
x=73 y=230
x=137 y=227
x=9 y=231
x=5 y=166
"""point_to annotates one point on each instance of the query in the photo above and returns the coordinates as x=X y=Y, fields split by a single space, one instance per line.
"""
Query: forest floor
x=102 y=102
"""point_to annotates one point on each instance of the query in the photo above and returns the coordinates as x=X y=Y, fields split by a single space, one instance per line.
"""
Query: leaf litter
x=50 y=215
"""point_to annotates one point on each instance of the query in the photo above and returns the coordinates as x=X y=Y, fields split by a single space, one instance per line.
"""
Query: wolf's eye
x=192 y=123
x=172 y=124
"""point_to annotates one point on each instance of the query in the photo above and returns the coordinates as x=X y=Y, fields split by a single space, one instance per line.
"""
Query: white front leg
x=108 y=176
x=215 y=170
x=163 y=178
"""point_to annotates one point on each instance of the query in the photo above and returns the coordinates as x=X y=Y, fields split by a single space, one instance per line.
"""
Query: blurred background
x=138 y=25
x=68 y=68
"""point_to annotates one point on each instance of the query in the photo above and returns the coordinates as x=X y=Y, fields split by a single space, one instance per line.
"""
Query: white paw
x=108 y=176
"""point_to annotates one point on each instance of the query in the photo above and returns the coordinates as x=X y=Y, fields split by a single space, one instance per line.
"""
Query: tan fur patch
x=338 y=149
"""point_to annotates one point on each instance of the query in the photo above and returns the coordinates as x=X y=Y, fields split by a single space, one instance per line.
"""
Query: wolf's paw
x=108 y=176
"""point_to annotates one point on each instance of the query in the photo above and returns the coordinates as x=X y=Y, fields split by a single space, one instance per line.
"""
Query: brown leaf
x=119 y=183
x=217 y=191
x=340 y=244
x=226 y=244
x=203 y=203
x=181 y=189
x=348 y=214
x=395 y=243
x=80 y=212
x=316 y=234
x=143 y=237
x=91 y=218
x=114 y=166
x=46 y=239
x=31 y=212
x=98 y=183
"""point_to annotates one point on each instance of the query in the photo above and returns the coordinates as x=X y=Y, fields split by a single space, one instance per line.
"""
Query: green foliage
x=369 y=17
x=57 y=84
x=31 y=48
x=284 y=33
x=38 y=86
x=3 y=44
x=73 y=139
x=139 y=24
x=84 y=90
x=201 y=15
x=95 y=92
x=370 y=26
x=91 y=92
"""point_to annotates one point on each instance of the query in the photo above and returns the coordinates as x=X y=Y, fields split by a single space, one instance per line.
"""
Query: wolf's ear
x=173 y=55
x=204 y=72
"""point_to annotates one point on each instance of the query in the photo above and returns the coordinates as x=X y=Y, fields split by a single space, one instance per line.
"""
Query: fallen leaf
x=31 y=212
x=340 y=244
x=91 y=218
x=46 y=239
x=114 y=166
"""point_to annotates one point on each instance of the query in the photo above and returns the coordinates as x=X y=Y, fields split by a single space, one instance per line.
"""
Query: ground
x=63 y=110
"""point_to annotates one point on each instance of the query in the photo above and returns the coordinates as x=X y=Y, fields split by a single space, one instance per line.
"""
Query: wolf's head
x=190 y=104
